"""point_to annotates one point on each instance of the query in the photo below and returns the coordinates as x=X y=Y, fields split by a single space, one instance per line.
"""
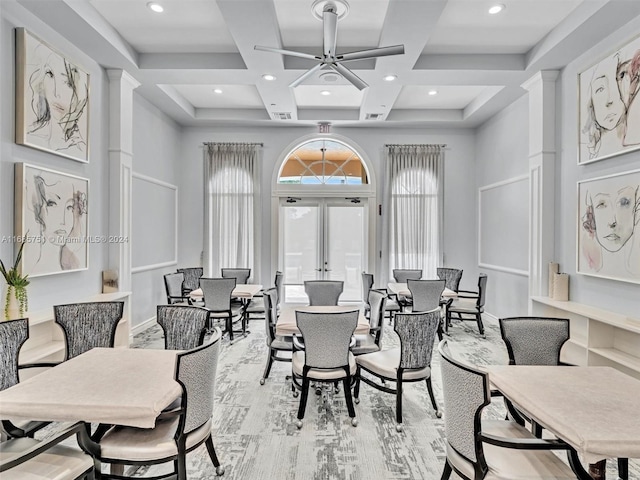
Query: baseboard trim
x=141 y=327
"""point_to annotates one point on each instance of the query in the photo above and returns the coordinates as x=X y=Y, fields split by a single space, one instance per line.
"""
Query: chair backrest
x=13 y=334
x=88 y=325
x=327 y=337
x=377 y=301
x=367 y=284
x=482 y=290
x=191 y=277
x=173 y=286
x=534 y=340
x=417 y=333
x=451 y=277
x=270 y=313
x=184 y=326
x=196 y=373
x=401 y=275
x=240 y=274
x=426 y=294
x=217 y=293
x=323 y=292
x=465 y=392
x=278 y=283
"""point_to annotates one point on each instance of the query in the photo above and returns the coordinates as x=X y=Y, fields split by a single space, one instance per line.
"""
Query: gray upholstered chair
x=426 y=295
x=275 y=343
x=401 y=275
x=173 y=286
x=478 y=448
x=411 y=362
x=257 y=306
x=240 y=274
x=217 y=299
x=326 y=356
x=391 y=304
x=469 y=305
x=88 y=325
x=323 y=292
x=451 y=277
x=184 y=326
x=177 y=431
x=191 y=278
x=278 y=283
x=371 y=341
x=29 y=459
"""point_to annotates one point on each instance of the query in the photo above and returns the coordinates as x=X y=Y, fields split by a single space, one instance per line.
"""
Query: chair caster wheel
x=399 y=428
x=220 y=471
x=354 y=422
x=336 y=390
x=295 y=394
x=299 y=424
x=262 y=381
x=438 y=414
x=356 y=401
x=318 y=391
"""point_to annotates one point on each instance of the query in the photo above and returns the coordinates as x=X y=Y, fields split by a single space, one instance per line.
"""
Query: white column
x=121 y=86
x=542 y=156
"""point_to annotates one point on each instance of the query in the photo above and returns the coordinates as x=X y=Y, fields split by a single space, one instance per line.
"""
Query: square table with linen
x=287 y=326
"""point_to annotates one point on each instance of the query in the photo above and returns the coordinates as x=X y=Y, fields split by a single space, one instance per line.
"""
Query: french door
x=323 y=239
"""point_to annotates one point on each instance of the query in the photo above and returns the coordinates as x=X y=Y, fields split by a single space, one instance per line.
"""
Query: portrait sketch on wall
x=52 y=218
x=608 y=218
x=52 y=100
x=609 y=110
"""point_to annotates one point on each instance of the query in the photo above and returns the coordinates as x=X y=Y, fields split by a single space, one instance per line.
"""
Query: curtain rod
x=260 y=144
x=442 y=145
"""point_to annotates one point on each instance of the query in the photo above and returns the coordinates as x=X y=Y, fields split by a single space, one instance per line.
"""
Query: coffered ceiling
x=196 y=61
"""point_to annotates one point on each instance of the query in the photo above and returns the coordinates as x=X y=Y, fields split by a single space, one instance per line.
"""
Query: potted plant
x=16 y=288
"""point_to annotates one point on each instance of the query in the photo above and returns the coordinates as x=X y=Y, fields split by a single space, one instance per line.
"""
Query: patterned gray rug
x=256 y=437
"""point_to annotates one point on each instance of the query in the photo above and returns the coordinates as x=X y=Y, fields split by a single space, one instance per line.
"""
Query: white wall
x=502 y=146
x=460 y=197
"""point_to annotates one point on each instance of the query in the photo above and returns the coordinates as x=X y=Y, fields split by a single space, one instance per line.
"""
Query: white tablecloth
x=241 y=291
x=287 y=326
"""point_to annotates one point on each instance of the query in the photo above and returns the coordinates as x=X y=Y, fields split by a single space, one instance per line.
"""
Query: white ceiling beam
x=471 y=62
x=191 y=61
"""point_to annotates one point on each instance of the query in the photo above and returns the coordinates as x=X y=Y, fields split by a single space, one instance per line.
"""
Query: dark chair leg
x=623 y=468
x=399 y=404
x=214 y=458
x=433 y=398
x=347 y=396
x=181 y=466
x=267 y=368
x=480 y=325
x=303 y=398
x=446 y=473
x=356 y=389
x=230 y=328
x=447 y=324
x=440 y=330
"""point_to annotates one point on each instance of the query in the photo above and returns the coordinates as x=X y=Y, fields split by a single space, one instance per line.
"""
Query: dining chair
x=426 y=295
x=325 y=356
x=13 y=334
x=29 y=459
x=191 y=278
x=240 y=274
x=278 y=283
x=323 y=292
x=467 y=304
x=451 y=277
x=217 y=300
x=178 y=431
x=88 y=325
x=173 y=287
x=480 y=448
x=257 y=306
x=411 y=362
x=371 y=341
x=184 y=326
x=391 y=304
x=401 y=275
x=275 y=343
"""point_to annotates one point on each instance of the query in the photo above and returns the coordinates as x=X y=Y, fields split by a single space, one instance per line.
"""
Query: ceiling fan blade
x=330 y=31
x=291 y=53
x=349 y=75
x=372 y=53
x=306 y=75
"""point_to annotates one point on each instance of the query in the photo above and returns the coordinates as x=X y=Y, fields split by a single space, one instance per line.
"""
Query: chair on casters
x=427 y=296
x=409 y=363
x=391 y=304
x=451 y=277
x=191 y=278
x=372 y=340
x=469 y=304
x=217 y=300
x=323 y=292
x=184 y=326
x=275 y=342
x=401 y=275
x=173 y=286
x=240 y=274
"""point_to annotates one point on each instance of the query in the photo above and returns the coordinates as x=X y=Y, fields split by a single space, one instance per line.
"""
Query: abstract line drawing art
x=52 y=100
x=608 y=218
x=609 y=111
x=52 y=219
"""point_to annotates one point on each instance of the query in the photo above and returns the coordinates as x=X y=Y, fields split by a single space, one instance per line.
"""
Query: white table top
x=403 y=289
x=594 y=409
x=241 y=291
x=118 y=386
x=286 y=325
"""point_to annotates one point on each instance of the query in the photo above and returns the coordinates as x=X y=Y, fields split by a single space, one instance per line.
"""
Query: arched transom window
x=323 y=162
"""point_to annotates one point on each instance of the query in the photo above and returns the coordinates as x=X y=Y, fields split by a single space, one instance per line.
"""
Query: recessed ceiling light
x=389 y=78
x=217 y=90
x=432 y=92
x=268 y=77
x=156 y=7
x=496 y=8
x=325 y=92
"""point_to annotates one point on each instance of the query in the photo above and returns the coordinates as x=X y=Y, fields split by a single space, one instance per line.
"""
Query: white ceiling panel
x=451 y=97
x=232 y=96
x=342 y=96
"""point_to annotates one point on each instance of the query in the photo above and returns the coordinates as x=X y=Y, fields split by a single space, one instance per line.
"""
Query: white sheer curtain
x=231 y=193
x=414 y=200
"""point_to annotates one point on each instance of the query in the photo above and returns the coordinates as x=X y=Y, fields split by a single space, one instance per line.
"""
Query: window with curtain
x=230 y=206
x=415 y=207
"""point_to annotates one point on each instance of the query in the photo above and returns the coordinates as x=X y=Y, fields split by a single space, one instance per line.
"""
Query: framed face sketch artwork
x=52 y=218
x=609 y=112
x=608 y=224
x=52 y=100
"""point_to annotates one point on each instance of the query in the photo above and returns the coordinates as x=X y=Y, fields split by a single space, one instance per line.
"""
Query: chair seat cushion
x=282 y=343
x=235 y=311
x=57 y=463
x=510 y=463
x=391 y=305
x=385 y=364
x=256 y=305
x=364 y=344
x=463 y=305
x=145 y=444
x=297 y=362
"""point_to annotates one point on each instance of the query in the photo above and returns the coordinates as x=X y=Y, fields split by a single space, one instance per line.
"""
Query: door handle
x=327 y=269
x=318 y=269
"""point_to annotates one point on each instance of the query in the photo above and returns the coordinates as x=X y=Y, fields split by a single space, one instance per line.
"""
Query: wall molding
x=141 y=327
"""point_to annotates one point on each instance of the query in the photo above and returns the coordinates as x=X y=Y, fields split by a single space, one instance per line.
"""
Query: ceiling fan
x=329 y=56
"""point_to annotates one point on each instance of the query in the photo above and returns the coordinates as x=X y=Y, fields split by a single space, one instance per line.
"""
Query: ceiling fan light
x=389 y=78
x=432 y=92
x=156 y=7
x=217 y=90
x=325 y=92
x=268 y=77
x=497 y=8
